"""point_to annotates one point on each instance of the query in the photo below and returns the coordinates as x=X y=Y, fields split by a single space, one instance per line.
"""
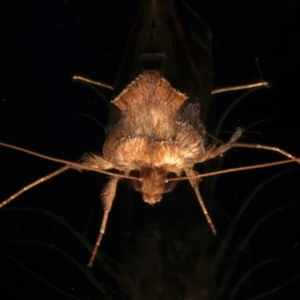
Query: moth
x=156 y=130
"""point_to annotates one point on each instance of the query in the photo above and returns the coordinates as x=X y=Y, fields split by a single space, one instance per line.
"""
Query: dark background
x=42 y=45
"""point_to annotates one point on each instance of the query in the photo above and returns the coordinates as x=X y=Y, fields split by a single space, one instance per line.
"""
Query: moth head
x=152 y=183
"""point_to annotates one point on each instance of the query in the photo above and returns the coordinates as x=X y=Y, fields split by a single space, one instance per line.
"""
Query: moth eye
x=170 y=185
x=136 y=184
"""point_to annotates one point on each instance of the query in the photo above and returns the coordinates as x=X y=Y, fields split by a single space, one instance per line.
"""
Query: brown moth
x=156 y=133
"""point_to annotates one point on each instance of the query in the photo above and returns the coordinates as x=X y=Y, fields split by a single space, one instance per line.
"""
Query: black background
x=43 y=44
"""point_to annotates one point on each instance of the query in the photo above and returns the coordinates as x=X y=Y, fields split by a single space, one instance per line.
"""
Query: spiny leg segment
x=107 y=196
x=195 y=185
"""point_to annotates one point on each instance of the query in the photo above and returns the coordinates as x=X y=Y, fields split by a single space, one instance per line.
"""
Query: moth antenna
x=33 y=184
x=246 y=168
x=195 y=185
x=87 y=165
x=107 y=196
x=93 y=82
x=238 y=169
x=240 y=87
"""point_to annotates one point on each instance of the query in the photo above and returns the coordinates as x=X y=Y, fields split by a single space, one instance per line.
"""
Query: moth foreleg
x=232 y=143
x=107 y=196
x=214 y=151
x=195 y=185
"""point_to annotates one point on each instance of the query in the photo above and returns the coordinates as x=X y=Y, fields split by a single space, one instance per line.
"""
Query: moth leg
x=269 y=148
x=33 y=184
x=90 y=81
x=107 y=196
x=214 y=151
x=194 y=183
x=232 y=143
x=240 y=87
